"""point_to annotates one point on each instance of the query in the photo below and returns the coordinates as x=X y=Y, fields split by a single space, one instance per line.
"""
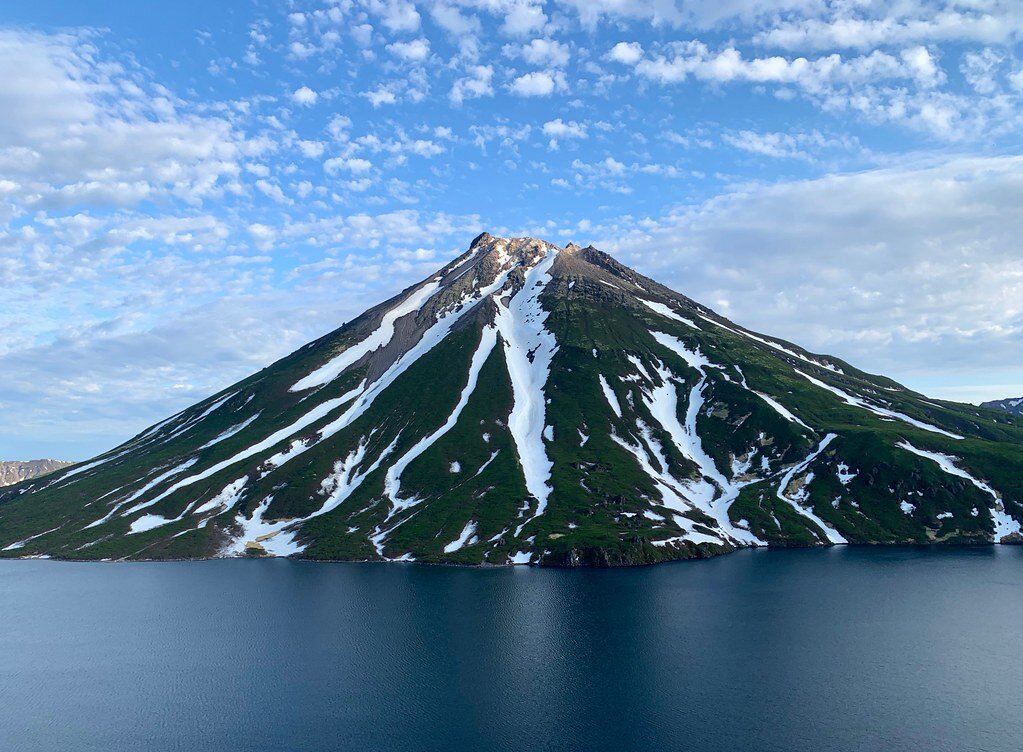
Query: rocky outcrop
x=15 y=472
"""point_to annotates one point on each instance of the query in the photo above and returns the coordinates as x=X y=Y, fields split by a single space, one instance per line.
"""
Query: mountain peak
x=529 y=403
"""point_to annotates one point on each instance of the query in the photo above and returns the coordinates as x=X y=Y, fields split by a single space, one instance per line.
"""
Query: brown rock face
x=15 y=472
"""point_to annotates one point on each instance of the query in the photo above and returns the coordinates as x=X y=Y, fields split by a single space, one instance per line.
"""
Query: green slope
x=660 y=431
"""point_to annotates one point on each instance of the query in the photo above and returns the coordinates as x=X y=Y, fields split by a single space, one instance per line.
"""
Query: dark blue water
x=844 y=649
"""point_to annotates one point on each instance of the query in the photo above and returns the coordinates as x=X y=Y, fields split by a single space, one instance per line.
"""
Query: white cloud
x=800 y=145
x=362 y=34
x=264 y=235
x=272 y=191
x=451 y=20
x=338 y=127
x=559 y=129
x=879 y=87
x=915 y=272
x=866 y=27
x=415 y=51
x=380 y=96
x=729 y=64
x=476 y=84
x=76 y=131
x=542 y=53
x=923 y=66
x=310 y=149
x=304 y=96
x=396 y=15
x=981 y=69
x=591 y=12
x=347 y=164
x=538 y=84
x=628 y=53
x=523 y=18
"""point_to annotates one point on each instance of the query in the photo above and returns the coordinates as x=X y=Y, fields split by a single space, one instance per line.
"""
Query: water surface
x=840 y=649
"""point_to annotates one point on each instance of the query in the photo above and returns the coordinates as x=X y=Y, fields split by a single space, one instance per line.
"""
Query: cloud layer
x=175 y=213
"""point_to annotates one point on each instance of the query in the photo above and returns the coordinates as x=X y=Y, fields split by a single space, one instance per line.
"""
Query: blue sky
x=190 y=190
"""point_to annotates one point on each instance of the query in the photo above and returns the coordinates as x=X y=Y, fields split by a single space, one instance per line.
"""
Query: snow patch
x=392 y=481
x=529 y=348
x=268 y=536
x=775 y=346
x=226 y=499
x=880 y=411
x=231 y=431
x=310 y=417
x=466 y=537
x=833 y=535
x=377 y=339
x=845 y=476
x=142 y=491
x=663 y=310
x=610 y=396
x=1005 y=525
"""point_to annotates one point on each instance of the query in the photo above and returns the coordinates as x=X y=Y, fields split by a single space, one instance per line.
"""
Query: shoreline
x=537 y=565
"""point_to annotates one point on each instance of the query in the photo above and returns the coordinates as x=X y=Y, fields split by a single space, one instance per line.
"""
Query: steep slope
x=16 y=471
x=1013 y=405
x=529 y=403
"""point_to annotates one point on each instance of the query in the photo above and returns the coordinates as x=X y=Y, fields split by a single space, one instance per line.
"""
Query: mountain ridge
x=1012 y=405
x=535 y=404
x=15 y=471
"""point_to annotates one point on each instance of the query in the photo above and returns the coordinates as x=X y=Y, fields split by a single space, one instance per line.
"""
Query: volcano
x=544 y=405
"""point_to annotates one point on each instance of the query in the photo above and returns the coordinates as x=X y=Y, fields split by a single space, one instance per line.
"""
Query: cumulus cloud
x=799 y=145
x=476 y=84
x=93 y=383
x=542 y=53
x=628 y=53
x=415 y=51
x=898 y=23
x=380 y=96
x=538 y=84
x=522 y=18
x=915 y=271
x=132 y=214
x=880 y=86
x=396 y=15
x=347 y=164
x=453 y=21
x=305 y=96
x=76 y=132
x=559 y=129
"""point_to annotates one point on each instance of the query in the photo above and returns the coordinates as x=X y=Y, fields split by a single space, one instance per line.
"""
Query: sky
x=190 y=190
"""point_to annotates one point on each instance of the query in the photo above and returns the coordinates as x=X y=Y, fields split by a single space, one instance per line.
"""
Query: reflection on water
x=839 y=649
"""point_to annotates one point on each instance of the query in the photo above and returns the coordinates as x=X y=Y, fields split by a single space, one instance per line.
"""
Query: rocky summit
x=535 y=404
x=16 y=471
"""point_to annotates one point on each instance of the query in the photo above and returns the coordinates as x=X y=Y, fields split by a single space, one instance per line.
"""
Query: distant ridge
x=1012 y=405
x=534 y=404
x=15 y=472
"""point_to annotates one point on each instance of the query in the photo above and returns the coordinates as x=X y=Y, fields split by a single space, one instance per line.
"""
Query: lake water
x=840 y=649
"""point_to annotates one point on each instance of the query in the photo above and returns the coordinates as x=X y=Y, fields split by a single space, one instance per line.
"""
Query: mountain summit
x=535 y=404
